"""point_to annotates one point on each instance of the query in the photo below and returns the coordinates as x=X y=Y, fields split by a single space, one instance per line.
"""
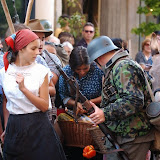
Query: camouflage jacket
x=124 y=97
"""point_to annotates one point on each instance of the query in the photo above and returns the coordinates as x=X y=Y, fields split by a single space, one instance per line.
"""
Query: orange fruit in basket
x=89 y=152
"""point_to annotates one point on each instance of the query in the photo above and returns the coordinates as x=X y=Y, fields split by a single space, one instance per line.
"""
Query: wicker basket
x=99 y=139
x=76 y=135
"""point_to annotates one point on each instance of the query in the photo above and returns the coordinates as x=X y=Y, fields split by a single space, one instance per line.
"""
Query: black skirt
x=31 y=137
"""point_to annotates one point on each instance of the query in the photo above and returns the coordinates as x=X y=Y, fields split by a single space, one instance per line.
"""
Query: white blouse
x=17 y=102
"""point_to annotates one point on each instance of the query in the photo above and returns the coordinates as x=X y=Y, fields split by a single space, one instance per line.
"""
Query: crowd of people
x=32 y=88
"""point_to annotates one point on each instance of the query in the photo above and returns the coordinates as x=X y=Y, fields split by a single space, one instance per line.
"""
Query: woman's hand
x=98 y=116
x=2 y=136
x=80 y=109
x=20 y=81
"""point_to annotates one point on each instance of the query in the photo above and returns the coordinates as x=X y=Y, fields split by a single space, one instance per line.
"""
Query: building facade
x=117 y=18
x=114 y=18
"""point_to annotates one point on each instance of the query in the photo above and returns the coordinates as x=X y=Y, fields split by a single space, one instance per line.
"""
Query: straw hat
x=35 y=26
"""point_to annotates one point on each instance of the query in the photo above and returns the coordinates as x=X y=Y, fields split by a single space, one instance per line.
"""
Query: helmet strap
x=98 y=62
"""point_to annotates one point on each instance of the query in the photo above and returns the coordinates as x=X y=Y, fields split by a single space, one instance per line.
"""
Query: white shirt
x=17 y=102
x=50 y=63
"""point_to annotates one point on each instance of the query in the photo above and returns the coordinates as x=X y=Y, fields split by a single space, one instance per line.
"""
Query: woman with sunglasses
x=28 y=133
x=144 y=57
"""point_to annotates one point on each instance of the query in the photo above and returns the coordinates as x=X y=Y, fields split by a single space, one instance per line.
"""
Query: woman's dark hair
x=120 y=43
x=65 y=36
x=117 y=42
x=78 y=57
x=11 y=55
x=65 y=16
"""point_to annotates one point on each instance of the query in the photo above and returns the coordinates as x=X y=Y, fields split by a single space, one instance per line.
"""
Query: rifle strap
x=113 y=151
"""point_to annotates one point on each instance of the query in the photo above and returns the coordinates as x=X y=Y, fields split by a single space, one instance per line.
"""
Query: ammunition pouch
x=153 y=113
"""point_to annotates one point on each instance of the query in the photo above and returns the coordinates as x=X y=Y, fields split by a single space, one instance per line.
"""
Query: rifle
x=121 y=153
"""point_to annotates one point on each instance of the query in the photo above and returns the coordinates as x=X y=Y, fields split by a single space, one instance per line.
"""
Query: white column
x=117 y=18
x=44 y=9
x=58 y=12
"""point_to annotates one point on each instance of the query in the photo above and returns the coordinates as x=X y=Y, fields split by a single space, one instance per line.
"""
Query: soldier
x=124 y=99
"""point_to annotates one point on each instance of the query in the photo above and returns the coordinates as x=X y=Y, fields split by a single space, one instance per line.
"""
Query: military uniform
x=124 y=99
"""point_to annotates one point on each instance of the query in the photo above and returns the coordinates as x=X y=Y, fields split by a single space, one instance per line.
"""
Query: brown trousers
x=136 y=149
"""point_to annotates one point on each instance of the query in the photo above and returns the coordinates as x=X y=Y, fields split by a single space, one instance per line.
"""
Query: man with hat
x=124 y=99
x=39 y=30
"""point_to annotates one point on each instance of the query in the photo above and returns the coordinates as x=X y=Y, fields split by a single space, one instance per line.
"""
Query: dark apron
x=31 y=137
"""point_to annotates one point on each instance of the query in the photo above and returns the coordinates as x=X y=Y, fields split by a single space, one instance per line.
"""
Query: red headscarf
x=18 y=41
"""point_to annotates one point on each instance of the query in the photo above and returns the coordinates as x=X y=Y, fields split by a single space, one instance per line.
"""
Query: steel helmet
x=46 y=24
x=99 y=46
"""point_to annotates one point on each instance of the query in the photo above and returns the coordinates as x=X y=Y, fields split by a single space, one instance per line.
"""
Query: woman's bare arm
x=52 y=90
x=96 y=100
x=5 y=111
x=41 y=102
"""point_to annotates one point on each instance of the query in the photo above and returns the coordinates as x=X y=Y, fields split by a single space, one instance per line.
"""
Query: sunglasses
x=86 y=31
x=147 y=44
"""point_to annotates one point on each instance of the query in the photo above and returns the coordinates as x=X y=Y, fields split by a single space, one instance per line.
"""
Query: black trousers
x=31 y=137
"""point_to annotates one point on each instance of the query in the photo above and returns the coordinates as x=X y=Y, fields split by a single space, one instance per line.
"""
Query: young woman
x=88 y=76
x=28 y=133
x=144 y=57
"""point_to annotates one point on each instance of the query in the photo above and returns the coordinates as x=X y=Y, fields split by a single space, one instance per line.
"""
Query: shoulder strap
x=149 y=88
x=110 y=67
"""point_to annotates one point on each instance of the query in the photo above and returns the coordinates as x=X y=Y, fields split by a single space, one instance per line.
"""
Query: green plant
x=76 y=20
x=151 y=8
x=97 y=34
x=63 y=21
x=74 y=3
x=76 y=23
x=146 y=28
